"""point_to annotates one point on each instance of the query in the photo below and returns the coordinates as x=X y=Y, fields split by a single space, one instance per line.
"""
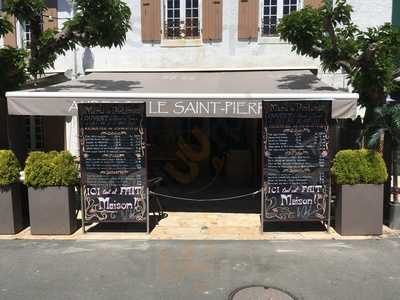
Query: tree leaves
x=386 y=120
x=5 y=26
x=13 y=69
x=368 y=57
x=101 y=23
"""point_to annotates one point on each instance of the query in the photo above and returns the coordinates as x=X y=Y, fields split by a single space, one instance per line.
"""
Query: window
x=181 y=19
x=26 y=34
x=273 y=11
x=26 y=38
x=34 y=133
x=289 y=6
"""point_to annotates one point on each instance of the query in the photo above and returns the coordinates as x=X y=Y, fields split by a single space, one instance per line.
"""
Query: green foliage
x=13 y=70
x=50 y=169
x=368 y=57
x=359 y=167
x=25 y=10
x=301 y=28
x=5 y=26
x=386 y=121
x=9 y=168
x=101 y=23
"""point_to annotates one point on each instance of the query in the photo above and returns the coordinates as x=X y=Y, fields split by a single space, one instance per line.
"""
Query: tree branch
x=344 y=63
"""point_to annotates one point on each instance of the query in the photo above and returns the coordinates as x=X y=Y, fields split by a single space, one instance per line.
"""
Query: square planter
x=13 y=209
x=359 y=209
x=52 y=210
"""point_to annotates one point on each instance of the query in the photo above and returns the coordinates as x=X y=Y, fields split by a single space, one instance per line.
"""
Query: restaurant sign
x=112 y=156
x=296 y=161
x=204 y=108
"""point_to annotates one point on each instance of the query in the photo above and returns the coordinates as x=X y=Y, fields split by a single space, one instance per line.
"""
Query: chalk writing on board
x=113 y=162
x=296 y=160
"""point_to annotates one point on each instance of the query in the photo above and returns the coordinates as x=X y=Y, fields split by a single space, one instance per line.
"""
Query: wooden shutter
x=10 y=39
x=212 y=20
x=50 y=20
x=314 y=3
x=151 y=20
x=248 y=19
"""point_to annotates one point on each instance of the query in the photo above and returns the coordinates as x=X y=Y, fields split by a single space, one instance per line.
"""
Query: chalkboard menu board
x=112 y=155
x=296 y=160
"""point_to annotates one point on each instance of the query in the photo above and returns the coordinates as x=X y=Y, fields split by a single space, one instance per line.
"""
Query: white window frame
x=25 y=33
x=183 y=41
x=273 y=39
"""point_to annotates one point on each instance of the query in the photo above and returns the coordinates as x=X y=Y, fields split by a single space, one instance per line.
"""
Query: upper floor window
x=26 y=37
x=181 y=19
x=27 y=34
x=273 y=11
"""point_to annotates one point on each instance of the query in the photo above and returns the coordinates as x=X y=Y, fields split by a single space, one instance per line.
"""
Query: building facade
x=189 y=35
x=203 y=72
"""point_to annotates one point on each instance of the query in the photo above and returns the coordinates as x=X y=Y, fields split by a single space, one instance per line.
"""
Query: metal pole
x=82 y=193
x=263 y=143
x=147 y=212
x=262 y=210
x=330 y=154
x=83 y=210
x=329 y=203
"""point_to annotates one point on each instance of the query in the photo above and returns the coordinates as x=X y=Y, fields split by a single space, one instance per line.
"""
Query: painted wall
x=229 y=53
x=370 y=13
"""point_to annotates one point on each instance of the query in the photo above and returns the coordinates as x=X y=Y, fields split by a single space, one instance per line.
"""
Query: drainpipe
x=75 y=54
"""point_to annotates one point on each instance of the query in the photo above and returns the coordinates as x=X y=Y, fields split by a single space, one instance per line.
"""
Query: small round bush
x=359 y=167
x=9 y=168
x=50 y=169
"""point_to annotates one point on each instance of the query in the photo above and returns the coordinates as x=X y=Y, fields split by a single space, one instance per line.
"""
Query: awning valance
x=184 y=94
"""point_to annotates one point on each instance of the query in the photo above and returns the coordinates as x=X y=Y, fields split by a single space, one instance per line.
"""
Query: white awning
x=233 y=94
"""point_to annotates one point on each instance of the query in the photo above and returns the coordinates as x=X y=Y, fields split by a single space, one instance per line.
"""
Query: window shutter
x=248 y=19
x=50 y=20
x=151 y=20
x=396 y=13
x=10 y=39
x=314 y=3
x=212 y=20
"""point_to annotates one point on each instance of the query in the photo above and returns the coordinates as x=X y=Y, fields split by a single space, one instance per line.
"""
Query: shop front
x=243 y=141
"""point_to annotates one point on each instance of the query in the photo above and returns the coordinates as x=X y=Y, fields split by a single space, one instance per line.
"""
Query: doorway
x=206 y=158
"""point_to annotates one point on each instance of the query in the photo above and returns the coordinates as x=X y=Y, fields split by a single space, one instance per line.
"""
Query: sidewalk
x=204 y=226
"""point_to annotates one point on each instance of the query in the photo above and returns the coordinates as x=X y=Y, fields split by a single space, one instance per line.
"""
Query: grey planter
x=52 y=211
x=359 y=209
x=393 y=216
x=13 y=209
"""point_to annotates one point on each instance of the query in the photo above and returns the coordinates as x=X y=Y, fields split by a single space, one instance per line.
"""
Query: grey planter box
x=52 y=210
x=359 y=209
x=13 y=209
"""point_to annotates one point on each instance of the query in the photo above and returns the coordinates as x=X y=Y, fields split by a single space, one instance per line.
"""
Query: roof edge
x=267 y=96
x=188 y=70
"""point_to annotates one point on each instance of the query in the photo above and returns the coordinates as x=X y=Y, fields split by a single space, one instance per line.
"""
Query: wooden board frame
x=264 y=185
x=143 y=171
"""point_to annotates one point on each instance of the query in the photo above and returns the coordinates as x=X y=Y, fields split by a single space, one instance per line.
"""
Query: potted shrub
x=360 y=175
x=12 y=214
x=51 y=179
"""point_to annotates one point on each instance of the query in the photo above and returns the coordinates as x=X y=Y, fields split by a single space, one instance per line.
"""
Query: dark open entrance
x=206 y=158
